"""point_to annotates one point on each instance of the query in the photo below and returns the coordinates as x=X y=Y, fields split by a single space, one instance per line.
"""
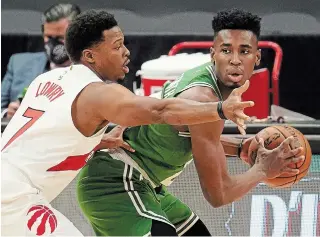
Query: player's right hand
x=276 y=162
x=233 y=107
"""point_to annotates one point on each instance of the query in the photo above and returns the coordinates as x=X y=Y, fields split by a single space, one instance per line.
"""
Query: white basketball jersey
x=41 y=140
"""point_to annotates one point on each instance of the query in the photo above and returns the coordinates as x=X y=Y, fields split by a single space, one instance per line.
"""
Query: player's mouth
x=125 y=68
x=235 y=77
x=235 y=74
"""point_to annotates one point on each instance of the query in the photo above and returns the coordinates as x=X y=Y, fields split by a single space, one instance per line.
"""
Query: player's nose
x=127 y=52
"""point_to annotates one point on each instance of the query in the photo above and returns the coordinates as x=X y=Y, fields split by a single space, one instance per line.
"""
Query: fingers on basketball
x=287 y=171
x=294 y=160
x=298 y=152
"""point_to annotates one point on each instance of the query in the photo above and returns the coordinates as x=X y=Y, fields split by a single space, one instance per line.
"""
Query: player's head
x=55 y=21
x=95 y=40
x=235 y=51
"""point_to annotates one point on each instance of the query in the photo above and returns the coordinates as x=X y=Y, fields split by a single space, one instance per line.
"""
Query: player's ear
x=258 y=57
x=212 y=52
x=87 y=55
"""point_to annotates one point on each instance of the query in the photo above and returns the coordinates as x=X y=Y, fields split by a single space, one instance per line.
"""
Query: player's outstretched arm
x=118 y=105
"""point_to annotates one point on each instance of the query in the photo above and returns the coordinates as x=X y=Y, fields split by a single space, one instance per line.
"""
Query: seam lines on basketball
x=290 y=157
x=306 y=170
x=283 y=177
x=292 y=181
x=284 y=184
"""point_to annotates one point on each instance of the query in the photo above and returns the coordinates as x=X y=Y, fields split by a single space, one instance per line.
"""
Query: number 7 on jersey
x=31 y=113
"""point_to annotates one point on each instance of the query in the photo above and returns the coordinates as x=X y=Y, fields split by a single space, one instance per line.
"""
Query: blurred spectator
x=23 y=68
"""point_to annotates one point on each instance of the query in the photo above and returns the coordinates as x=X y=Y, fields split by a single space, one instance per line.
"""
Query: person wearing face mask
x=24 y=67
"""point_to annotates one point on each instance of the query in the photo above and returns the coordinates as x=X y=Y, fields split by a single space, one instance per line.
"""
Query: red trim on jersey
x=73 y=162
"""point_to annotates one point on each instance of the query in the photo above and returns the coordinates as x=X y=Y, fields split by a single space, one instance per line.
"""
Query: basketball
x=273 y=136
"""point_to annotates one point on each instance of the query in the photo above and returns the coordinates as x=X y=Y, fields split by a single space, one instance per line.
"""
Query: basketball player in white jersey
x=64 y=116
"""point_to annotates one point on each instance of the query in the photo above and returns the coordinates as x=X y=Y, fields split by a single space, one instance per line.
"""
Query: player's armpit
x=117 y=104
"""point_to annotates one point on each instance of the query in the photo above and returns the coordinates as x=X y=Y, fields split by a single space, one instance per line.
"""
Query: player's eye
x=225 y=51
x=244 y=51
x=118 y=46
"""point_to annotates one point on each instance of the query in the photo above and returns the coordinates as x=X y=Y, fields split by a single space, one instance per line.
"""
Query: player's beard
x=234 y=86
x=228 y=86
x=122 y=81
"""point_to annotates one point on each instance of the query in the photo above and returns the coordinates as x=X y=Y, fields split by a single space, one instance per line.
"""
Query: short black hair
x=86 y=30
x=236 y=19
x=60 y=11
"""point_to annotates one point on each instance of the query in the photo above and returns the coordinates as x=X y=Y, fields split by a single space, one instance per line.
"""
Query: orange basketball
x=273 y=136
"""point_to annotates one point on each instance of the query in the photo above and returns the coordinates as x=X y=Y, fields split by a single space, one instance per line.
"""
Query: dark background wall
x=152 y=27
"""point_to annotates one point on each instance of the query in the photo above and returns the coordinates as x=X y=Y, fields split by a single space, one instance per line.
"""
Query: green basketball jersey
x=160 y=150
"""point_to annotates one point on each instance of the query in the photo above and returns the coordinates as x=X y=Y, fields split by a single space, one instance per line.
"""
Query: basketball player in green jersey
x=124 y=193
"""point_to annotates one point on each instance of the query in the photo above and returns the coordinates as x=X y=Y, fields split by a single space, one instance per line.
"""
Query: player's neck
x=224 y=90
x=88 y=65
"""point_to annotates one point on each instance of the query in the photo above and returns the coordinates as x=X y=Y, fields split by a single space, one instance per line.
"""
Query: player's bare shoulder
x=92 y=95
x=85 y=109
x=200 y=94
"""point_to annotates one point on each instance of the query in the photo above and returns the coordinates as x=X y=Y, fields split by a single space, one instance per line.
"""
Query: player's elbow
x=217 y=203
x=215 y=196
x=163 y=113
x=170 y=113
x=219 y=194
x=216 y=200
x=166 y=116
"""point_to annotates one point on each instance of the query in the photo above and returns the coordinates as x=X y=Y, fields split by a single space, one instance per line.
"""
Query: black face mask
x=56 y=51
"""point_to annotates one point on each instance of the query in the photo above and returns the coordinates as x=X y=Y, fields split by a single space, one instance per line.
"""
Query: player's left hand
x=245 y=150
x=114 y=139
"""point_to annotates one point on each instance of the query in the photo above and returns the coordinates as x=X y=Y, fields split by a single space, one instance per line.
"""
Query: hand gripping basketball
x=233 y=107
x=275 y=162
